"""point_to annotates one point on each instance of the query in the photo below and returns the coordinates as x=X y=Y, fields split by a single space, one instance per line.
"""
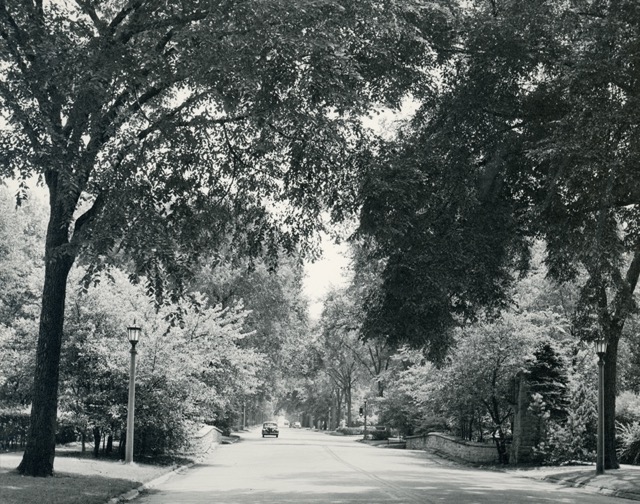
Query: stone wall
x=479 y=453
x=204 y=440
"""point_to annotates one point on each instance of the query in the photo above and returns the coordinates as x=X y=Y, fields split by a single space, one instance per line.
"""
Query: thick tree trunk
x=623 y=305
x=610 y=390
x=40 y=450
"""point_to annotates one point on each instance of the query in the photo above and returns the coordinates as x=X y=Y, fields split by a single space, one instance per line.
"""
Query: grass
x=78 y=479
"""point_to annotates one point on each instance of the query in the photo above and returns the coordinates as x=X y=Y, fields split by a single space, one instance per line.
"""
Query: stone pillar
x=526 y=426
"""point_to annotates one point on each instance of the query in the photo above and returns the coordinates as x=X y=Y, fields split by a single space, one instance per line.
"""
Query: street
x=311 y=467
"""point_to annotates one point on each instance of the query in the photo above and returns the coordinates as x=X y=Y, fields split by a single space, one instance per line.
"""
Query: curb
x=595 y=488
x=132 y=494
x=135 y=492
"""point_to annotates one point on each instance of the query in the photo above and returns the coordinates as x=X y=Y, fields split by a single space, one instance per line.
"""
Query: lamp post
x=133 y=333
x=365 y=420
x=601 y=350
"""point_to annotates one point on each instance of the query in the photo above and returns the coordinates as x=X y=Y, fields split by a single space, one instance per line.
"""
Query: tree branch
x=20 y=35
x=22 y=118
x=122 y=15
x=16 y=41
x=88 y=9
x=84 y=220
x=176 y=22
x=623 y=300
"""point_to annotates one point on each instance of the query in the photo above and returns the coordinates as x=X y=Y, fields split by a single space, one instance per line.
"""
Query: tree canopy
x=163 y=130
x=532 y=134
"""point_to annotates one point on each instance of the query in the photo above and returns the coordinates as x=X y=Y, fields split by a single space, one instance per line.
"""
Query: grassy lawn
x=78 y=479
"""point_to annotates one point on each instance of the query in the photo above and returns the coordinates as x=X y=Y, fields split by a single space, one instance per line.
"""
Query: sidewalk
x=623 y=482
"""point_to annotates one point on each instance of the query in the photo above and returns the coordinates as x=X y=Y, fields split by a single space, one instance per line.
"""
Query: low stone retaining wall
x=207 y=437
x=479 y=453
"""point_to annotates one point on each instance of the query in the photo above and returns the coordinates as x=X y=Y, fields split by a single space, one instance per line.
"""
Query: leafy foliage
x=573 y=439
x=186 y=375
x=552 y=154
x=408 y=404
x=21 y=274
x=548 y=378
x=164 y=130
x=340 y=346
x=628 y=407
x=629 y=434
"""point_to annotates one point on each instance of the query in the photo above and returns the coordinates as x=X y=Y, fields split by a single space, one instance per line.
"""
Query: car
x=285 y=423
x=270 y=429
x=296 y=425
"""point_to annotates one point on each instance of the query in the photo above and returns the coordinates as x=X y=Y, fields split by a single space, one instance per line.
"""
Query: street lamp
x=365 y=419
x=601 y=350
x=133 y=333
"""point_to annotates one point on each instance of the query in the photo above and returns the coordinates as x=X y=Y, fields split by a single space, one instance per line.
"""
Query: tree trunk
x=41 y=442
x=501 y=445
x=109 y=448
x=96 y=441
x=348 y=401
x=610 y=390
x=338 y=408
x=122 y=444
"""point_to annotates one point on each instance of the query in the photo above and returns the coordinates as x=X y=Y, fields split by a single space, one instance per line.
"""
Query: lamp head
x=133 y=332
x=601 y=346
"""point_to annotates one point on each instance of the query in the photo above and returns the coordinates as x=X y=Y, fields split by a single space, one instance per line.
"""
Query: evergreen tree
x=548 y=377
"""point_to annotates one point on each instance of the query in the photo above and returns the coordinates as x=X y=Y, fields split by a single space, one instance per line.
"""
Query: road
x=303 y=467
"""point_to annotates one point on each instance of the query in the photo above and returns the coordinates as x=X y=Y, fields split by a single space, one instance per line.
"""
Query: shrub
x=13 y=429
x=350 y=431
x=628 y=408
x=66 y=432
x=380 y=435
x=575 y=438
x=161 y=427
x=629 y=439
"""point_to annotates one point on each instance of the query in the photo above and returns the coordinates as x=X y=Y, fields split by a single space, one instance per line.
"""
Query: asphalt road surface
x=303 y=467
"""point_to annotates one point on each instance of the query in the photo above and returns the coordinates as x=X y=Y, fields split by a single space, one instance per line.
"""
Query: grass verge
x=76 y=480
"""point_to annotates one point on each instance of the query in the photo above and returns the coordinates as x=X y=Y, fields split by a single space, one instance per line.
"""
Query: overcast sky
x=331 y=270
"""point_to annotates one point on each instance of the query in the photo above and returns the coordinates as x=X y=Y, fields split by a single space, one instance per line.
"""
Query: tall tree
x=277 y=317
x=343 y=353
x=154 y=126
x=534 y=134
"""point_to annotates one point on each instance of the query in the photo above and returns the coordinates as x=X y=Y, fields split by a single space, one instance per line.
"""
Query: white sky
x=332 y=270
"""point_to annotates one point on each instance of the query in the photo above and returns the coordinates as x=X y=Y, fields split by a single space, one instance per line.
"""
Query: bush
x=66 y=432
x=13 y=429
x=575 y=438
x=350 y=431
x=629 y=439
x=628 y=408
x=380 y=434
x=161 y=427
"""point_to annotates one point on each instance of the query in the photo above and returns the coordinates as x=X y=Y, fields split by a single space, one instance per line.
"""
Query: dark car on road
x=270 y=429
